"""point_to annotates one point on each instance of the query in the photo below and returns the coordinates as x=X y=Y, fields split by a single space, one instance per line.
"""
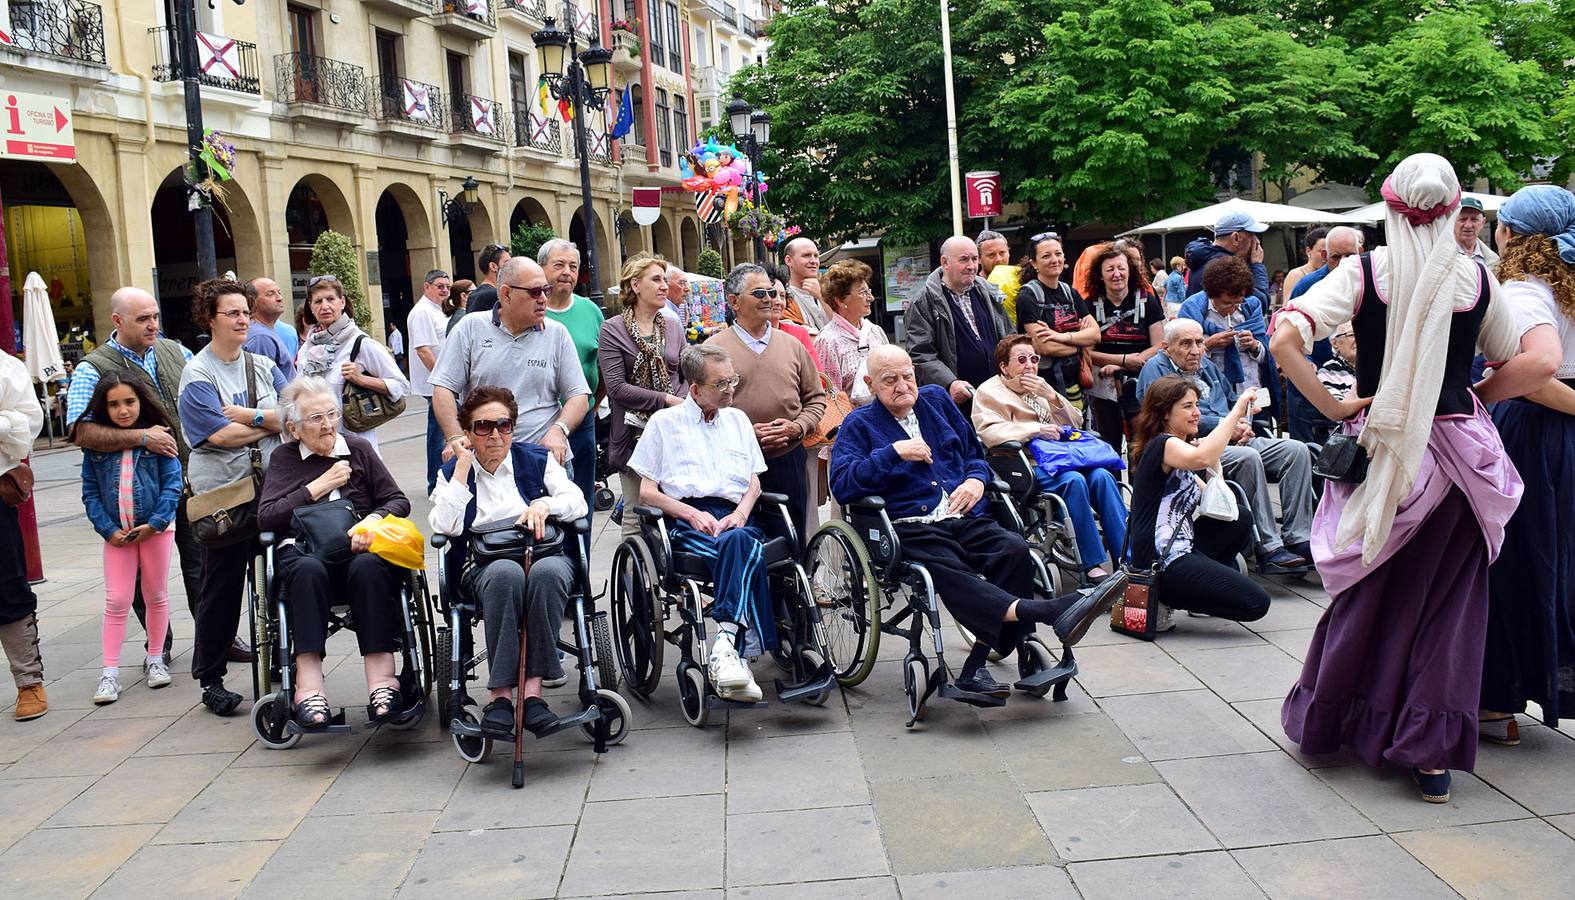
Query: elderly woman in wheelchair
x=495 y=484
x=1017 y=406
x=318 y=487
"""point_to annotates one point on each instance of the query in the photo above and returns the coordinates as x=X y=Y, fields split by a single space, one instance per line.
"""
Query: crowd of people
x=1443 y=540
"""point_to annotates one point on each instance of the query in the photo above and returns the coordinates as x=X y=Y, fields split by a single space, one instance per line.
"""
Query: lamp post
x=585 y=84
x=752 y=129
x=450 y=208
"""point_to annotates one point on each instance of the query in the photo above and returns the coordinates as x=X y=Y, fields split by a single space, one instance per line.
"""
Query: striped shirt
x=84 y=379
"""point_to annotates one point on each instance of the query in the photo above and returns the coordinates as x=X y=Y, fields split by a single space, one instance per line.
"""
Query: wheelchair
x=861 y=561
x=650 y=582
x=1047 y=522
x=604 y=715
x=273 y=667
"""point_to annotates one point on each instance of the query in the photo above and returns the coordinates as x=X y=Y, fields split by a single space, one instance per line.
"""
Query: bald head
x=891 y=379
x=135 y=315
x=1342 y=241
x=516 y=306
x=802 y=258
x=959 y=262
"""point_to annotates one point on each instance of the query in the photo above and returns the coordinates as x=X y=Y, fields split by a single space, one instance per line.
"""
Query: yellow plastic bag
x=396 y=540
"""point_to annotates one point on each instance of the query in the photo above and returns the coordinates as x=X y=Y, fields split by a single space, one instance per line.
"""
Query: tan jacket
x=1000 y=414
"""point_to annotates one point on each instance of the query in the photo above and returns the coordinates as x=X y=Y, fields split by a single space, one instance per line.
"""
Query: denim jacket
x=156 y=487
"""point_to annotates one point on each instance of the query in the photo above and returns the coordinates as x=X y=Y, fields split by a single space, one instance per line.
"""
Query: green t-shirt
x=584 y=321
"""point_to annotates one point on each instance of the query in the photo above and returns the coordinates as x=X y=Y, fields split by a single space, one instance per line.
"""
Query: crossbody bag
x=227 y=515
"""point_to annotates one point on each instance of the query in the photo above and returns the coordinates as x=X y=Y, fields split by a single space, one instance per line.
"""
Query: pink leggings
x=152 y=556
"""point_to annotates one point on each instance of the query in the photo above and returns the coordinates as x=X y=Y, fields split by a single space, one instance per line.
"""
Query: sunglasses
x=764 y=293
x=536 y=293
x=1032 y=360
x=316 y=280
x=1044 y=236
x=485 y=427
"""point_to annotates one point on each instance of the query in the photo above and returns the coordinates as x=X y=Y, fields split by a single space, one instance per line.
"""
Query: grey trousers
x=1287 y=463
x=505 y=600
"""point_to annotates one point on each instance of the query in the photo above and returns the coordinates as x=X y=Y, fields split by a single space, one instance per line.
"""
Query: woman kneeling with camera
x=492 y=484
x=319 y=486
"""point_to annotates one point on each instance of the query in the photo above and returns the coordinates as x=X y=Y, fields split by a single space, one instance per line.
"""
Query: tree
x=528 y=238
x=709 y=263
x=333 y=254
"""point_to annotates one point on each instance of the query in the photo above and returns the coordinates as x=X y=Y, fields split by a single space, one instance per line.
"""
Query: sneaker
x=219 y=701
x=108 y=690
x=156 y=672
x=748 y=692
x=1166 y=621
x=1283 y=562
x=728 y=672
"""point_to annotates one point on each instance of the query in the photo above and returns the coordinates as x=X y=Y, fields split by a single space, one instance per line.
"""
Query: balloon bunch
x=713 y=167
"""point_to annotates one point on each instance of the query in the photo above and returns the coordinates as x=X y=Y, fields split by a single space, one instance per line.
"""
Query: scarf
x=322 y=345
x=650 y=365
x=1543 y=209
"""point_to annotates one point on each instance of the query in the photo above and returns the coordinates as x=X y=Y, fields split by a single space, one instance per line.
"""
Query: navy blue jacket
x=863 y=463
x=156 y=487
x=530 y=476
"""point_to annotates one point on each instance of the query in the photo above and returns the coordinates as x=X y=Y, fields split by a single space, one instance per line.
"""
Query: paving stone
x=803 y=845
x=638 y=846
x=949 y=740
x=805 y=771
x=91 y=746
x=196 y=871
x=1528 y=858
x=140 y=701
x=788 y=718
x=1192 y=876
x=200 y=731
x=843 y=889
x=344 y=857
x=1565 y=824
x=247 y=805
x=1294 y=641
x=1287 y=612
x=74 y=689
x=1135 y=667
x=392 y=779
x=68 y=862
x=717 y=894
x=1352 y=868
x=1243 y=673
x=986 y=823
x=29 y=801
x=142 y=790
x=1535 y=774
x=554 y=782
x=1389 y=798
x=1017 y=883
x=1115 y=822
x=1265 y=714
x=508 y=862
x=1069 y=752
x=17 y=739
x=1184 y=724
x=1261 y=798
x=323 y=752
x=1206 y=633
x=667 y=762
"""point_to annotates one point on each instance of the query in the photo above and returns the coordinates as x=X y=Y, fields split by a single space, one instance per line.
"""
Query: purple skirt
x=1395 y=666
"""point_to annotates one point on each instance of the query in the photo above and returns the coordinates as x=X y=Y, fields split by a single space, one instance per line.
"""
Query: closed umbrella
x=38 y=332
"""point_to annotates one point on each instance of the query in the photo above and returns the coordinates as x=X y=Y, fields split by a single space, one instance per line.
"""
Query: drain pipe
x=148 y=138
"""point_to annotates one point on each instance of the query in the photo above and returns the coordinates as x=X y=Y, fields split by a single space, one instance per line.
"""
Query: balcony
x=472 y=19
x=406 y=108
x=531 y=12
x=729 y=17
x=534 y=132
x=706 y=10
x=477 y=123
x=755 y=28
x=316 y=87
x=410 y=9
x=626 y=53
x=225 y=63
x=64 y=37
x=708 y=81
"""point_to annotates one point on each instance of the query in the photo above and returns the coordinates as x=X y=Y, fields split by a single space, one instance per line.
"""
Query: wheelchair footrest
x=953 y=692
x=712 y=701
x=336 y=725
x=1048 y=677
x=822 y=680
x=584 y=717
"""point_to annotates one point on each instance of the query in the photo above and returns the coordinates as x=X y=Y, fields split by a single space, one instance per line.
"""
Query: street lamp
x=454 y=208
x=585 y=84
x=752 y=129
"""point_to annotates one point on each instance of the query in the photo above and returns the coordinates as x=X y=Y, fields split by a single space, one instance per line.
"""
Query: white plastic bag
x=1219 y=501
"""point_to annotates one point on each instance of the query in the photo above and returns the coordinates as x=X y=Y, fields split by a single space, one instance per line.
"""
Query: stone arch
x=689 y=241
x=606 y=255
x=337 y=213
x=531 y=210
x=237 y=241
x=106 y=260
x=662 y=239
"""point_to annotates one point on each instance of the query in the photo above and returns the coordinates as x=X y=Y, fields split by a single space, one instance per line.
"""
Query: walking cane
x=519 y=693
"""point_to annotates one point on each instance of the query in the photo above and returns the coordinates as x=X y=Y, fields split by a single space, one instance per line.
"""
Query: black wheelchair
x=604 y=715
x=1047 y=522
x=273 y=667
x=860 y=564
x=651 y=582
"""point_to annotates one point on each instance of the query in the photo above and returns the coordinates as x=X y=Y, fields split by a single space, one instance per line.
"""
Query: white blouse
x=498 y=497
x=1534 y=305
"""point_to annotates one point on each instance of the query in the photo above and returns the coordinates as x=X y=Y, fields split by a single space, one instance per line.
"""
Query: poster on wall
x=906 y=268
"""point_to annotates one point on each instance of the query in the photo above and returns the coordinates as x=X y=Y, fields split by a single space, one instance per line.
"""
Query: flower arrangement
x=219 y=157
x=630 y=43
x=752 y=221
x=625 y=25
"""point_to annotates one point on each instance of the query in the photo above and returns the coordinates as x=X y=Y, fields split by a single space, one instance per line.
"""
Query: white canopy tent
x=38 y=332
x=1267 y=213
x=1331 y=196
x=1373 y=213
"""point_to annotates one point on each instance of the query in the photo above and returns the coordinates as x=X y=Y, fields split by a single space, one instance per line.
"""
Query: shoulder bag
x=838 y=405
x=507 y=540
x=363 y=408
x=1342 y=459
x=322 y=529
x=16 y=485
x=227 y=514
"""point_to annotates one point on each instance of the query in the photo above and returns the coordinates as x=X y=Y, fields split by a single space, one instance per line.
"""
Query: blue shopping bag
x=1076 y=450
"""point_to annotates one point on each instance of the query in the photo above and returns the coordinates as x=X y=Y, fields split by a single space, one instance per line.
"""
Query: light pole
x=182 y=16
x=585 y=85
x=752 y=129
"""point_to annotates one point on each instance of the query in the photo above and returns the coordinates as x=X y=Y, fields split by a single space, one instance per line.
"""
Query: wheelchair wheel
x=638 y=617
x=1062 y=548
x=970 y=640
x=847 y=599
x=915 y=678
x=262 y=633
x=604 y=499
x=608 y=673
x=616 y=711
x=443 y=673
x=262 y=711
x=472 y=749
x=1034 y=657
x=426 y=638
x=691 y=693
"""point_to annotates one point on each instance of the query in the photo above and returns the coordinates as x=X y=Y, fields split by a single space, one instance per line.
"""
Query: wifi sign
x=984 y=194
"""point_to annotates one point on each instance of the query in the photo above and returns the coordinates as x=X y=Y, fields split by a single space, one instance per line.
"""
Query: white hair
x=299 y=390
x=1176 y=326
x=1346 y=232
x=553 y=246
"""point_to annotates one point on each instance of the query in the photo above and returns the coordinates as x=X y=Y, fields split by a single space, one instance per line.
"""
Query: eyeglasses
x=888 y=379
x=322 y=419
x=536 y=293
x=725 y=384
x=1342 y=334
x=867 y=294
x=316 y=280
x=763 y=293
x=1032 y=359
x=234 y=313
x=485 y=427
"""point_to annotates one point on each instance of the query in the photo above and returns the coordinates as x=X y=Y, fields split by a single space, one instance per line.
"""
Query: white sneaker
x=728 y=672
x=108 y=690
x=158 y=674
x=1166 y=621
x=749 y=693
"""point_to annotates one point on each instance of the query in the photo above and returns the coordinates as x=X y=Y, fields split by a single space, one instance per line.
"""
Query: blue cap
x=1232 y=222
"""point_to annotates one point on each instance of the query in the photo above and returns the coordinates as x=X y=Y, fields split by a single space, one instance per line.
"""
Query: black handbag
x=1342 y=459
x=322 y=529
x=507 y=540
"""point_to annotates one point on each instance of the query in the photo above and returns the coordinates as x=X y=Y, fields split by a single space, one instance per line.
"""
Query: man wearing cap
x=1468 y=230
x=1235 y=233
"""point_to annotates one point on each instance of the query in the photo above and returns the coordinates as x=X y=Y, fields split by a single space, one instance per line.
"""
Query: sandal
x=1501 y=730
x=313 y=711
x=383 y=704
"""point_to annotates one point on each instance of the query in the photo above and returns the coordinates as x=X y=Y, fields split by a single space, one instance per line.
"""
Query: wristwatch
x=257 y=419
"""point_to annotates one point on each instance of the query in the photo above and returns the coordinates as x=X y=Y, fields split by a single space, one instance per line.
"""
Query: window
x=664 y=128
x=675 y=39
x=700 y=46
x=680 y=120
x=653 y=25
x=387 y=54
x=519 y=98
x=706 y=118
x=724 y=59
x=637 y=101
x=458 y=91
x=303 y=30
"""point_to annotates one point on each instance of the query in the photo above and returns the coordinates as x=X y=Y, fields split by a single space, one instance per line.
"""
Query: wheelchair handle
x=648 y=512
x=439 y=541
x=872 y=503
x=266 y=538
x=770 y=497
x=1006 y=447
x=999 y=487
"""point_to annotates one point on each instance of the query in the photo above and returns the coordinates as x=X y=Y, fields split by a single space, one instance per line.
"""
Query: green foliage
x=528 y=238
x=709 y=263
x=333 y=254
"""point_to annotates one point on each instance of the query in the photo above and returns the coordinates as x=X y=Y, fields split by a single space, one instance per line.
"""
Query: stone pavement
x=1165 y=774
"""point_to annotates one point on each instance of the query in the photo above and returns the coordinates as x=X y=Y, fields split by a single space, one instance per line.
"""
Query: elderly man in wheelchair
x=914 y=449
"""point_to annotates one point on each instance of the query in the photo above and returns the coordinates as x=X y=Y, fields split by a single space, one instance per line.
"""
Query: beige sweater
x=780 y=383
x=1000 y=414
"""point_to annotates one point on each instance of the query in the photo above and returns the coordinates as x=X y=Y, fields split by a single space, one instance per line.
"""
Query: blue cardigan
x=156 y=487
x=863 y=463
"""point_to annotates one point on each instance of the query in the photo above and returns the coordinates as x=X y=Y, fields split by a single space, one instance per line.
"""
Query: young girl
x=131 y=497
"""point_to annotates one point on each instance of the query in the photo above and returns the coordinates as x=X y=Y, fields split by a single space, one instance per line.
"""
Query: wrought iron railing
x=755 y=28
x=69 y=29
x=232 y=65
x=304 y=78
x=730 y=14
x=479 y=116
x=397 y=99
x=535 y=131
x=536 y=9
x=480 y=10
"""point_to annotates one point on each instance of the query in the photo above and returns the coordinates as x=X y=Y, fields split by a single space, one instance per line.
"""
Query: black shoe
x=384 y=703
x=498 y=718
x=539 y=717
x=239 y=652
x=219 y=701
x=980 y=682
x=1304 y=550
x=1071 y=625
x=1283 y=562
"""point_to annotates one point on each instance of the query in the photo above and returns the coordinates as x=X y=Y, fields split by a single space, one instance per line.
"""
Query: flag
x=625 y=121
x=566 y=109
x=707 y=206
x=542 y=93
